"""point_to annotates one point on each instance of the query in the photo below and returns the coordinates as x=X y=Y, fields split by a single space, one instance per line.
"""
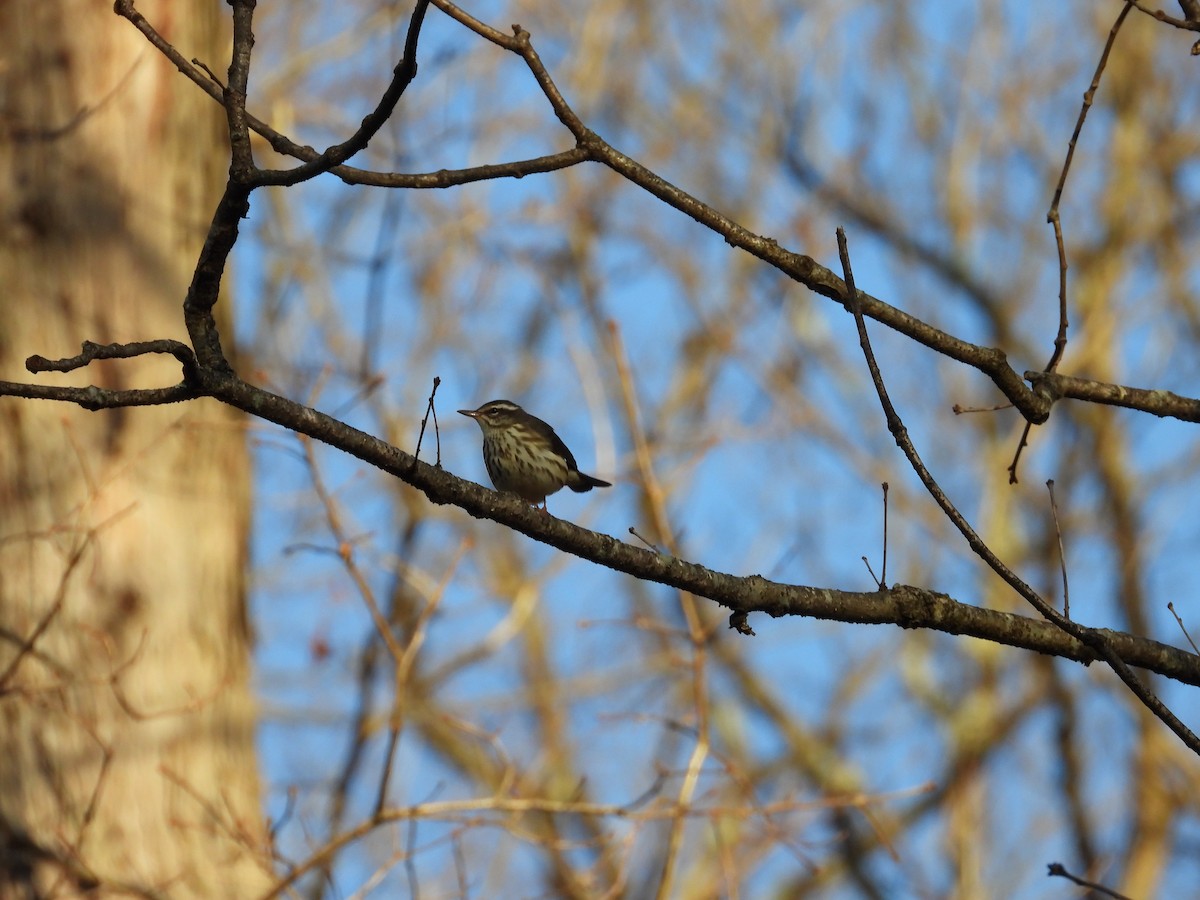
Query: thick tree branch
x=1163 y=404
x=908 y=607
x=95 y=398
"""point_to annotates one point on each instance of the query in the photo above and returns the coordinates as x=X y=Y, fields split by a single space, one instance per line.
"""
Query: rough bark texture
x=126 y=721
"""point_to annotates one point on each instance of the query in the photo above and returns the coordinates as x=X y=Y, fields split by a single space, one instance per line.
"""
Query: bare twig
x=1191 y=9
x=650 y=545
x=1070 y=736
x=21 y=134
x=94 y=398
x=960 y=410
x=289 y=809
x=1062 y=554
x=1182 y=627
x=430 y=409
x=871 y=571
x=883 y=572
x=1060 y=339
x=881 y=581
x=1058 y=870
x=92 y=351
x=410 y=863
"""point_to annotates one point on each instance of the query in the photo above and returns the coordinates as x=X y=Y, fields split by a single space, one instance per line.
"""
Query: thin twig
x=1183 y=628
x=430 y=409
x=649 y=544
x=960 y=410
x=1062 y=554
x=56 y=605
x=1060 y=340
x=91 y=351
x=1057 y=869
x=94 y=398
x=883 y=573
x=289 y=809
x=1190 y=7
x=28 y=645
x=1055 y=220
x=871 y=572
x=19 y=134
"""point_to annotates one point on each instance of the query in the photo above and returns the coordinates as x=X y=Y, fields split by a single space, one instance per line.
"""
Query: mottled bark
x=126 y=721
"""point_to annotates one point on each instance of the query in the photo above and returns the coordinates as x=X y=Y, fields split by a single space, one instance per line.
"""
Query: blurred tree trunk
x=127 y=739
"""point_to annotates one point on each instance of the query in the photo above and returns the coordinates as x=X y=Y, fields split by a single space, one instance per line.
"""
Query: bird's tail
x=580 y=482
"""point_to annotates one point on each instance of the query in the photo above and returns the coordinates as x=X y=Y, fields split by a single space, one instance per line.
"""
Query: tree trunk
x=126 y=721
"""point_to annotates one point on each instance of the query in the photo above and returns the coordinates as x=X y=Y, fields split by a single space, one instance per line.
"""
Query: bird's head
x=495 y=414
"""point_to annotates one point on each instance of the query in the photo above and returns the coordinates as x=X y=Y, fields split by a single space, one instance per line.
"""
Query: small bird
x=524 y=455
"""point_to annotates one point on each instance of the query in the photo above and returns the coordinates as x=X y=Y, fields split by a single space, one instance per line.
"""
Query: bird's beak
x=472 y=413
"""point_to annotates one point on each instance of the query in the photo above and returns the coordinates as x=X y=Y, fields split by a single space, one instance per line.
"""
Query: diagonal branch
x=801 y=268
x=908 y=607
x=1093 y=638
